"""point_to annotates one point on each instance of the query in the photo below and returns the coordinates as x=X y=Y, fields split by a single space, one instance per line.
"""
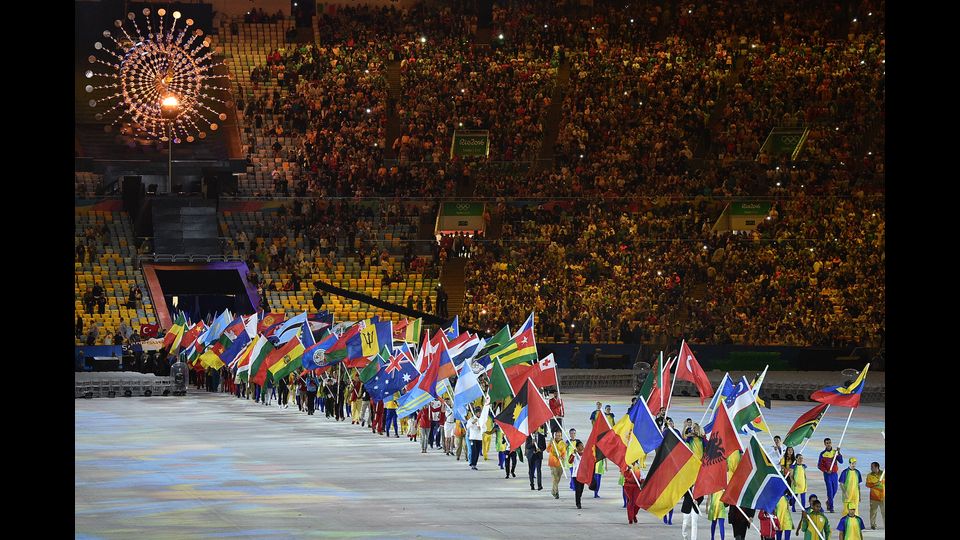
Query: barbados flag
x=843 y=396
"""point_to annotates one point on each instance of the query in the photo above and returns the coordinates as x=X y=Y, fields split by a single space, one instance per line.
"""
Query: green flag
x=373 y=367
x=498 y=344
x=655 y=374
x=500 y=388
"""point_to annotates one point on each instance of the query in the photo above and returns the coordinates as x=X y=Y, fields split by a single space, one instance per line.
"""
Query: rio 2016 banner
x=473 y=143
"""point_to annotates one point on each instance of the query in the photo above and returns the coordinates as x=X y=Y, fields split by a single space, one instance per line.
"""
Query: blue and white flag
x=289 y=329
x=466 y=391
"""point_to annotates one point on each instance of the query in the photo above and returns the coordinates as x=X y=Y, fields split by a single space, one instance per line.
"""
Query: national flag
x=257 y=356
x=268 y=320
x=544 y=372
x=843 y=396
x=527 y=325
x=210 y=359
x=724 y=390
x=338 y=351
x=500 y=388
x=661 y=393
x=756 y=483
x=722 y=442
x=424 y=391
x=744 y=410
x=638 y=430
x=216 y=329
x=611 y=446
x=314 y=356
x=588 y=462
x=454 y=330
x=230 y=353
x=290 y=328
x=391 y=376
x=673 y=472
x=243 y=362
x=755 y=386
x=524 y=415
x=148 y=331
x=447 y=368
x=190 y=337
x=281 y=361
x=375 y=337
x=688 y=369
x=804 y=427
x=173 y=337
x=369 y=372
x=522 y=348
x=463 y=347
x=497 y=342
x=467 y=390
x=651 y=379
x=407 y=331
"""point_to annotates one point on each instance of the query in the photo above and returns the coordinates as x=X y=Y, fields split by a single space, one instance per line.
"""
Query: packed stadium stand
x=651 y=118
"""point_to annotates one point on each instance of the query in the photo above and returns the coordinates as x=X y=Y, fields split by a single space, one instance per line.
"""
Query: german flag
x=673 y=472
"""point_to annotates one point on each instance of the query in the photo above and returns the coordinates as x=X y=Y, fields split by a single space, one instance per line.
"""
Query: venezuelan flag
x=843 y=396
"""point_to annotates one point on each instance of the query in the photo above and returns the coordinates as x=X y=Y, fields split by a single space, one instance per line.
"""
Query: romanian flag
x=285 y=360
x=804 y=427
x=673 y=472
x=756 y=483
x=523 y=416
x=843 y=396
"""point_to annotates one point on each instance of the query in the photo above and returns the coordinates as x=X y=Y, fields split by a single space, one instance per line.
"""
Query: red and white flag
x=688 y=369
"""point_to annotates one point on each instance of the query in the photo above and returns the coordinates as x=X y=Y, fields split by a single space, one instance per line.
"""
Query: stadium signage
x=473 y=143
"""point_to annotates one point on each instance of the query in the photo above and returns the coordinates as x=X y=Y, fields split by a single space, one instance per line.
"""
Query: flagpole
x=673 y=383
x=814 y=431
x=711 y=405
x=764 y=420
x=837 y=452
x=659 y=381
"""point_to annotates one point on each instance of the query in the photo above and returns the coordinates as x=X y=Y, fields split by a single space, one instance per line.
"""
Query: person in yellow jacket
x=715 y=513
x=814 y=521
x=850 y=480
x=798 y=482
x=850 y=526
x=487 y=436
x=557 y=450
x=876 y=483
x=786 y=519
x=390 y=415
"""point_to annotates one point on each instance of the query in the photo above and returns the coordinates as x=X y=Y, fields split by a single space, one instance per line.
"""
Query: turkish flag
x=688 y=369
x=149 y=330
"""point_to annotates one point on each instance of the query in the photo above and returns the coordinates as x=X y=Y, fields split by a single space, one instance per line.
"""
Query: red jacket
x=423 y=418
x=769 y=524
x=556 y=407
